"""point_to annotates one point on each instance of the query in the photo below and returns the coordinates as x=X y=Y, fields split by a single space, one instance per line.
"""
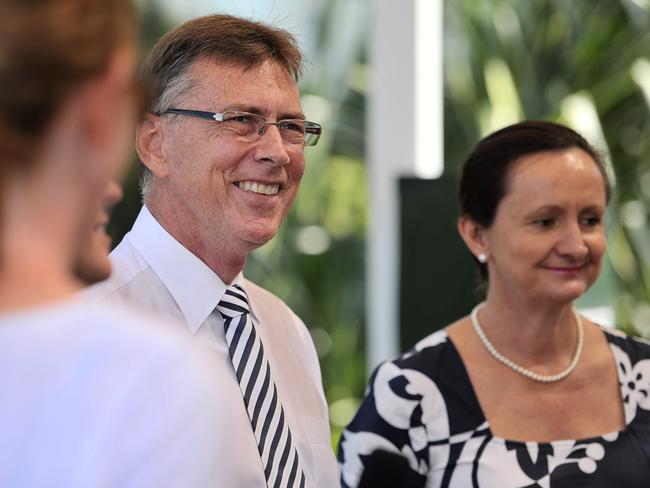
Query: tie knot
x=234 y=302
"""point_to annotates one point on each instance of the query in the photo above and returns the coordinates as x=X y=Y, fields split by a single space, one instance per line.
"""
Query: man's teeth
x=259 y=187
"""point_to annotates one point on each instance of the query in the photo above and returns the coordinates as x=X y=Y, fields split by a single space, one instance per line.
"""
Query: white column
x=404 y=139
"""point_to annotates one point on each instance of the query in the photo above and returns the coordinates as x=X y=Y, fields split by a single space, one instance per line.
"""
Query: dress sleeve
x=389 y=419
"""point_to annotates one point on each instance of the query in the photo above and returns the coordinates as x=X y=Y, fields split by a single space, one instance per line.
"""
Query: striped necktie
x=274 y=442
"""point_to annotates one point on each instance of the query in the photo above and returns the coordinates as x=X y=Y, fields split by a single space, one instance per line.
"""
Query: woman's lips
x=565 y=270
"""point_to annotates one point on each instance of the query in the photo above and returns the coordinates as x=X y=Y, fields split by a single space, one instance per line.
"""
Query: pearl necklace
x=520 y=369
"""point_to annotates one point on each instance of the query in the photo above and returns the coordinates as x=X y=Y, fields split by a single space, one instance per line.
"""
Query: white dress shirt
x=97 y=397
x=153 y=270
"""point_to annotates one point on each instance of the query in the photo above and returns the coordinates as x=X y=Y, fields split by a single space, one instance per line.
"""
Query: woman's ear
x=91 y=131
x=148 y=144
x=108 y=104
x=473 y=234
x=105 y=116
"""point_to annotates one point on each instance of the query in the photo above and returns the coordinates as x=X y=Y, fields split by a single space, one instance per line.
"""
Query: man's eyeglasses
x=251 y=126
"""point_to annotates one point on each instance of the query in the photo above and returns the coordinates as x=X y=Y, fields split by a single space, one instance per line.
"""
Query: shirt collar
x=195 y=287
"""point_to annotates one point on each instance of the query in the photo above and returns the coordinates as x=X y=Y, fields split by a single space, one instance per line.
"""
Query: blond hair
x=47 y=48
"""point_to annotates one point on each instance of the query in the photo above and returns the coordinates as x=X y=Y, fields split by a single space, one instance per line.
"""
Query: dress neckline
x=558 y=442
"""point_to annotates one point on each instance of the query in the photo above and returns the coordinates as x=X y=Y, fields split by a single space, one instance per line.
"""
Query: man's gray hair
x=172 y=95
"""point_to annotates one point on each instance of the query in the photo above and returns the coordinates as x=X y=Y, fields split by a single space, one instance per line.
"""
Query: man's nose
x=271 y=148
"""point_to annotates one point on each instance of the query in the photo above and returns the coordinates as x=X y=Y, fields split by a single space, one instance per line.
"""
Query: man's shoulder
x=127 y=263
x=131 y=280
x=263 y=301
x=273 y=311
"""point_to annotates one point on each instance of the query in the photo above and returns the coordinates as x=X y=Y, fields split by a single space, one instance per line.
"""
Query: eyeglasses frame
x=313 y=130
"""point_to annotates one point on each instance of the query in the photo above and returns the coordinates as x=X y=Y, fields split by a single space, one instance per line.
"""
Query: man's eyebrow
x=257 y=111
x=292 y=115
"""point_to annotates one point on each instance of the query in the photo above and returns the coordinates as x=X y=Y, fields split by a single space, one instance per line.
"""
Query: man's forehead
x=236 y=86
x=215 y=69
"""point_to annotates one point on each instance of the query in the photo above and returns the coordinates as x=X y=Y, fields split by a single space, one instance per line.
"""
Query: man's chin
x=257 y=242
x=259 y=238
x=261 y=231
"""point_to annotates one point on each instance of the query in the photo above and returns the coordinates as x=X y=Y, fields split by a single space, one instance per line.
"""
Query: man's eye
x=591 y=221
x=292 y=126
x=245 y=119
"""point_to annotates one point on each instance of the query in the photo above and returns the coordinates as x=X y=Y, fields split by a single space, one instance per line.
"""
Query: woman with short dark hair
x=524 y=391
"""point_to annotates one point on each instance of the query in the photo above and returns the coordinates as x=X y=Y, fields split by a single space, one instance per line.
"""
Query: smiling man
x=222 y=153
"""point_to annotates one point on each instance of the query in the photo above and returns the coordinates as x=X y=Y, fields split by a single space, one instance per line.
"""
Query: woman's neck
x=530 y=332
x=38 y=244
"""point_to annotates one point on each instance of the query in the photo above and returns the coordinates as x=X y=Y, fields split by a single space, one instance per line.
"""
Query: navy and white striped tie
x=274 y=442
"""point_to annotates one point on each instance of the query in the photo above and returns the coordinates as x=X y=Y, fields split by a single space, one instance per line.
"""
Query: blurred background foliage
x=583 y=63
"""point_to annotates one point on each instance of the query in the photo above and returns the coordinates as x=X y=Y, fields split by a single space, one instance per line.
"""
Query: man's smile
x=257 y=187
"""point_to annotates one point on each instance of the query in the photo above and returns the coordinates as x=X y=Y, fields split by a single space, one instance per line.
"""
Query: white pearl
x=520 y=369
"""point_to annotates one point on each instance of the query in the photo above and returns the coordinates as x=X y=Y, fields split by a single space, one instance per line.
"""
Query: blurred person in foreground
x=223 y=153
x=524 y=391
x=93 y=264
x=92 y=396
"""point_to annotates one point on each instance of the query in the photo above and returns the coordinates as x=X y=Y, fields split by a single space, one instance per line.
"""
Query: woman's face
x=111 y=108
x=547 y=240
x=121 y=122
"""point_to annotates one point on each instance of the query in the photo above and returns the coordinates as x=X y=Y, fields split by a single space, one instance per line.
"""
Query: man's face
x=93 y=264
x=214 y=177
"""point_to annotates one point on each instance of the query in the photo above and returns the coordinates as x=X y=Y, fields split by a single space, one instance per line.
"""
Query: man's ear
x=149 y=135
x=474 y=236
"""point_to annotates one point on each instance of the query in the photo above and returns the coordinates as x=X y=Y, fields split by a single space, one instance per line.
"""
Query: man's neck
x=226 y=262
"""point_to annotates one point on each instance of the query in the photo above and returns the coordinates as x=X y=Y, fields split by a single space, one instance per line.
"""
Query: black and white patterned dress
x=423 y=406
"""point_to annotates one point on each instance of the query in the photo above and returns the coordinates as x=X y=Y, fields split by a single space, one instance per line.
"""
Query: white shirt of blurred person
x=93 y=396
x=211 y=197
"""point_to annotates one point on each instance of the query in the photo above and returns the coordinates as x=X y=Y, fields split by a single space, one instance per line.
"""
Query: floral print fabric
x=423 y=406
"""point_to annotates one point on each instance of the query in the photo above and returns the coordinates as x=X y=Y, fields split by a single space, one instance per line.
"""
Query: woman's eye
x=543 y=222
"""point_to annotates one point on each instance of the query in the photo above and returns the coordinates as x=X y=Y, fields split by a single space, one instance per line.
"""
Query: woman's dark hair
x=485 y=171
